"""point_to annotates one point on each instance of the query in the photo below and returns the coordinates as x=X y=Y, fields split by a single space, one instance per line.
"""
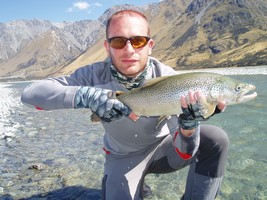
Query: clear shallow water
x=59 y=153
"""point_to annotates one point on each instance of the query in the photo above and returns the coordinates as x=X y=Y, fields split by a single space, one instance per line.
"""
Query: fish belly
x=153 y=103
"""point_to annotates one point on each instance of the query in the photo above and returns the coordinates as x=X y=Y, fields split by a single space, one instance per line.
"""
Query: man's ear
x=106 y=45
x=150 y=46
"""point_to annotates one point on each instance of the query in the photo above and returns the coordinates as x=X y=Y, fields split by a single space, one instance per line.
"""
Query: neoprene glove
x=102 y=102
x=191 y=116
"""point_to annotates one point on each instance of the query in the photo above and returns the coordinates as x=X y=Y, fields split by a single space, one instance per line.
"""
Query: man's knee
x=222 y=138
x=213 y=151
x=213 y=138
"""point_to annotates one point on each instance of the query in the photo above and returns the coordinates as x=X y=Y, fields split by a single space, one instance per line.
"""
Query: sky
x=59 y=10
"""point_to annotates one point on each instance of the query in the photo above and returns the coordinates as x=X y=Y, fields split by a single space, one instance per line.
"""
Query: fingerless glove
x=190 y=117
x=102 y=102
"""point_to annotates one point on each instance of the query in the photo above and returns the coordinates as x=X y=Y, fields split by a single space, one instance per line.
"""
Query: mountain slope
x=218 y=34
x=203 y=34
x=36 y=48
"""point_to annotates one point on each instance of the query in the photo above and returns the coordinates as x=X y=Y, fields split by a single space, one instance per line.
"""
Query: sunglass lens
x=138 y=41
x=118 y=43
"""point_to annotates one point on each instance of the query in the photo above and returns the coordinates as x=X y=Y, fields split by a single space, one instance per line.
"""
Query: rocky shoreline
x=249 y=70
x=8 y=105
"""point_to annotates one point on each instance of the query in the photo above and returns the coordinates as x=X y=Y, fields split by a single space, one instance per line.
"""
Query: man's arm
x=50 y=94
x=193 y=98
x=56 y=93
x=186 y=139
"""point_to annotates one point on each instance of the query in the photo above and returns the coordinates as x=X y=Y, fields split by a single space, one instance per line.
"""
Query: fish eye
x=238 y=88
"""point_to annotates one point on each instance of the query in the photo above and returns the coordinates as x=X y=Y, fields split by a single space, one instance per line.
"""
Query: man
x=135 y=149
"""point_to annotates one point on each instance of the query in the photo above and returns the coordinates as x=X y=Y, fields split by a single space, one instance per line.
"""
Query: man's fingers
x=183 y=102
x=192 y=97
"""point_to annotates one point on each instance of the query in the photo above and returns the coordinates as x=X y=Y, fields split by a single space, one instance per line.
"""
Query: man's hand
x=102 y=102
x=191 y=115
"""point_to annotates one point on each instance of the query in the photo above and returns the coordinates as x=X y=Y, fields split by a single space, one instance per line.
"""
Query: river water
x=58 y=154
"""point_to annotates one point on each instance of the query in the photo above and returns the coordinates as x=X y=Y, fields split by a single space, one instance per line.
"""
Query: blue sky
x=59 y=10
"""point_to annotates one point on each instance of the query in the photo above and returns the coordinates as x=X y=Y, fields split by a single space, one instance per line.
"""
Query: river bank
x=8 y=103
x=248 y=70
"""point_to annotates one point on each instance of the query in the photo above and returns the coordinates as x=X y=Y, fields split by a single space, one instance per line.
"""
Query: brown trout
x=161 y=96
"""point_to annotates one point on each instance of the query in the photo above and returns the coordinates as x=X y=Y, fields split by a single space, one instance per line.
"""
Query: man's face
x=128 y=60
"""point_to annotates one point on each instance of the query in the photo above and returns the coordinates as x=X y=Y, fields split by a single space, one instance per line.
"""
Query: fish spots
x=161 y=96
x=215 y=90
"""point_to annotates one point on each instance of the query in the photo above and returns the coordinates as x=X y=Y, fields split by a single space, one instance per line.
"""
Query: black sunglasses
x=136 y=42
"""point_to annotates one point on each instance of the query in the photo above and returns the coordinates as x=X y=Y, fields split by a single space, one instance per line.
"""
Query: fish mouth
x=246 y=95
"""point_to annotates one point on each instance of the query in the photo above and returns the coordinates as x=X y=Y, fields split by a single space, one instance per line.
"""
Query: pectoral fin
x=161 y=119
x=206 y=109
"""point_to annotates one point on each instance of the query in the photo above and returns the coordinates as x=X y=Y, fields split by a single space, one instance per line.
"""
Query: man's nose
x=128 y=47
